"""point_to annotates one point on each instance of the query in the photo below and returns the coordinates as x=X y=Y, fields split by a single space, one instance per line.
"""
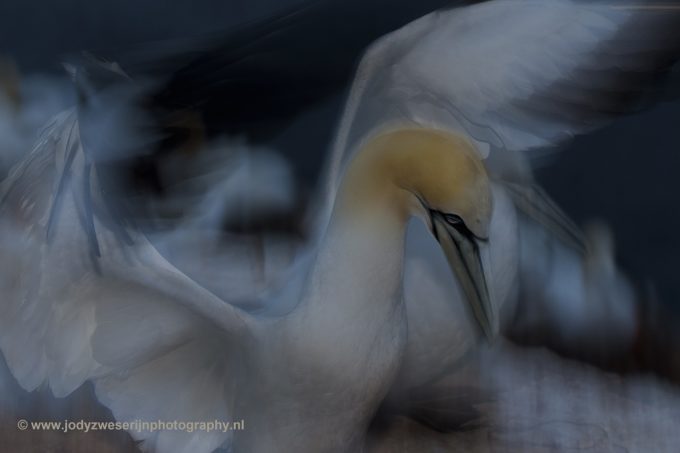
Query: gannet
x=85 y=299
x=511 y=77
x=183 y=323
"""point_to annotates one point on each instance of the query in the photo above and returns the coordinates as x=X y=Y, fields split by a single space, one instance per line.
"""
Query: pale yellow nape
x=440 y=168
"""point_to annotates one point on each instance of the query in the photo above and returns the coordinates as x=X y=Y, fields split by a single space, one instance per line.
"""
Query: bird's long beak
x=462 y=253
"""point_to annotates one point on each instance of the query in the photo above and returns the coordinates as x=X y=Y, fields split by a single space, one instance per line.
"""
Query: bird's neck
x=343 y=344
x=358 y=267
x=360 y=260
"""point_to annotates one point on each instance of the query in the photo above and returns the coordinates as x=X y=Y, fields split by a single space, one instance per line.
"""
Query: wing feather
x=513 y=75
x=79 y=304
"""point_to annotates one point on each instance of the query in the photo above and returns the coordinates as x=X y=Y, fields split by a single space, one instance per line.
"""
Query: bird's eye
x=458 y=223
x=453 y=220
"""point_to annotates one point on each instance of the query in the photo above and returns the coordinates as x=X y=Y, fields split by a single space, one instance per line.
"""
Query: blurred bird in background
x=133 y=160
x=26 y=104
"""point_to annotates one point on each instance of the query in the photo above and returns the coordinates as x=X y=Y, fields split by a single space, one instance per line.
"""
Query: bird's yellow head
x=439 y=177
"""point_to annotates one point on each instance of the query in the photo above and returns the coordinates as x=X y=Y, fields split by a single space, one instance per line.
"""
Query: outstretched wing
x=85 y=298
x=511 y=74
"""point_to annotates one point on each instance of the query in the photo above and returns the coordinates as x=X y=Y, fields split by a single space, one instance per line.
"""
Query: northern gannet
x=85 y=299
x=511 y=77
x=166 y=310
